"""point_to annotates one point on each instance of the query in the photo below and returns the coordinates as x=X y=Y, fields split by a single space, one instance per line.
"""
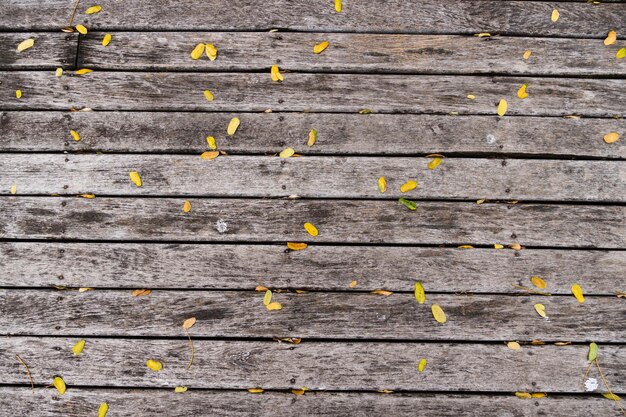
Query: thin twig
x=587 y=373
x=73 y=12
x=606 y=384
x=193 y=351
x=531 y=290
x=30 y=377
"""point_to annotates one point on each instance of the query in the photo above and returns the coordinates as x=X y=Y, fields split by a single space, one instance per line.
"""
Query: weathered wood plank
x=133 y=402
x=429 y=16
x=441 y=54
x=318 y=366
x=312 y=92
x=314 y=177
x=32 y=264
x=373 y=222
x=349 y=134
x=310 y=315
x=51 y=50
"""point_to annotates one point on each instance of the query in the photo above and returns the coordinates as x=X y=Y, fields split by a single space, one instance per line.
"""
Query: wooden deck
x=535 y=192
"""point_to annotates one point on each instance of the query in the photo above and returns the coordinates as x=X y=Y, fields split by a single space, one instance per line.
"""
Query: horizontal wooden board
x=349 y=134
x=318 y=366
x=51 y=50
x=316 y=315
x=133 y=402
x=254 y=92
x=372 y=222
x=33 y=264
x=314 y=176
x=438 y=54
x=429 y=16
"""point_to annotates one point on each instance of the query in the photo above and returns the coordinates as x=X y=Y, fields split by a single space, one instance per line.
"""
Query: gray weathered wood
x=311 y=315
x=33 y=264
x=259 y=220
x=254 y=92
x=51 y=50
x=314 y=176
x=349 y=134
x=440 y=54
x=429 y=16
x=318 y=366
x=133 y=402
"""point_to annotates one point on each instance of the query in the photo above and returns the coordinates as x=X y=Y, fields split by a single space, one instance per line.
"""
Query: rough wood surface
x=318 y=366
x=258 y=220
x=373 y=134
x=51 y=50
x=170 y=51
x=133 y=402
x=429 y=16
x=242 y=314
x=314 y=177
x=33 y=264
x=255 y=92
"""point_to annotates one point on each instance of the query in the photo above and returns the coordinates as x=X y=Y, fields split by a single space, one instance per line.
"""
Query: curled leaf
x=320 y=47
x=438 y=313
x=208 y=95
x=189 y=323
x=287 y=152
x=611 y=137
x=434 y=163
x=93 y=9
x=59 y=384
x=75 y=135
x=78 y=347
x=255 y=390
x=312 y=230
x=83 y=71
x=140 y=292
x=502 y=107
x=411 y=205
x=296 y=246
x=420 y=294
x=106 y=40
x=421 y=365
x=135 y=178
x=611 y=37
x=209 y=155
x=197 y=52
x=465 y=247
x=211 y=51
x=541 y=310
x=154 y=365
x=538 y=282
x=103 y=410
x=24 y=45
x=81 y=29
x=312 y=137
x=382 y=292
x=275 y=73
x=521 y=93
x=180 y=389
x=382 y=184
x=233 y=125
x=577 y=290
x=593 y=352
x=408 y=186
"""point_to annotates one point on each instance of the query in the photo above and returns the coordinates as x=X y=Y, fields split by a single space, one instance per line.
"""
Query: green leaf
x=593 y=352
x=408 y=203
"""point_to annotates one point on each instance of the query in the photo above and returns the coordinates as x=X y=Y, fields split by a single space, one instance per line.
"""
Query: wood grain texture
x=430 y=16
x=51 y=50
x=255 y=92
x=33 y=264
x=314 y=177
x=311 y=315
x=133 y=402
x=372 y=222
x=349 y=134
x=360 y=53
x=318 y=366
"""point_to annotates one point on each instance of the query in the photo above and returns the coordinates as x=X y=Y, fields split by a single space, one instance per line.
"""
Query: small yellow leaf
x=513 y=346
x=320 y=47
x=385 y=391
x=135 y=178
x=471 y=96
x=103 y=410
x=611 y=37
x=515 y=246
x=186 y=206
x=555 y=15
x=538 y=395
x=210 y=140
x=434 y=163
x=211 y=51
x=233 y=125
x=59 y=384
x=483 y=34
x=296 y=246
x=13 y=189
x=18 y=93
x=382 y=184
x=438 y=313
x=420 y=294
x=521 y=93
x=267 y=298
x=274 y=306
x=58 y=72
x=78 y=347
x=24 y=45
x=255 y=390
x=297 y=391
x=482 y=200
x=93 y=9
x=338 y=6
x=353 y=284
x=577 y=290
x=140 y=292
x=541 y=310
x=180 y=389
x=621 y=54
x=312 y=137
x=611 y=396
x=106 y=40
x=154 y=365
x=275 y=74
x=84 y=289
x=75 y=135
x=538 y=282
x=88 y=195
x=365 y=111
x=382 y=292
x=286 y=153
x=527 y=54
x=421 y=365
x=197 y=51
x=208 y=95
x=466 y=247
x=502 y=107
x=611 y=137
x=408 y=186
x=524 y=395
x=209 y=155
x=81 y=29
x=189 y=323
x=312 y=230
x=498 y=246
x=83 y=71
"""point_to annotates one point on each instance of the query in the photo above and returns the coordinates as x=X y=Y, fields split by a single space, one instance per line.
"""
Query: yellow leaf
x=498 y=246
x=75 y=135
x=538 y=282
x=275 y=74
x=274 y=306
x=555 y=15
x=286 y=153
x=83 y=71
x=267 y=298
x=260 y=288
x=611 y=396
x=135 y=178
x=81 y=29
x=103 y=410
x=502 y=107
x=438 y=313
x=611 y=37
x=18 y=93
x=408 y=186
x=84 y=289
x=521 y=93
x=78 y=347
x=385 y=391
x=255 y=390
x=466 y=247
x=209 y=155
x=434 y=163
x=210 y=140
x=524 y=395
x=483 y=35
x=621 y=54
x=420 y=294
x=58 y=72
x=320 y=47
x=59 y=384
x=382 y=184
x=541 y=310
x=93 y=9
x=577 y=290
x=421 y=365
x=382 y=292
x=353 y=284
x=13 y=189
x=180 y=389
x=365 y=111
x=208 y=95
x=211 y=51
x=611 y=137
x=233 y=125
x=186 y=206
x=297 y=391
x=482 y=200
x=189 y=323
x=312 y=137
x=106 y=40
x=296 y=246
x=24 y=45
x=513 y=346
x=338 y=6
x=154 y=365
x=197 y=51
x=140 y=292
x=471 y=96
x=538 y=395
x=312 y=230
x=515 y=246
x=527 y=54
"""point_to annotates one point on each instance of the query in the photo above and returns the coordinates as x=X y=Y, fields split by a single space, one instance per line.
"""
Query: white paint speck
x=221 y=226
x=491 y=139
x=591 y=384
